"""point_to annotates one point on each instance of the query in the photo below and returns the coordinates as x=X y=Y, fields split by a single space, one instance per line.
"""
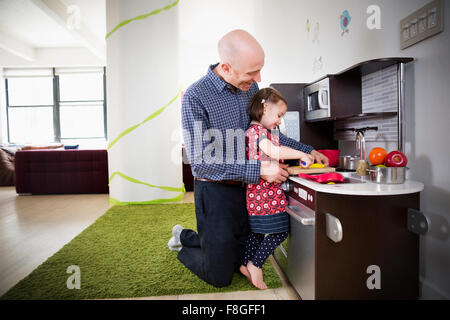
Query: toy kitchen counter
x=357 y=185
x=352 y=240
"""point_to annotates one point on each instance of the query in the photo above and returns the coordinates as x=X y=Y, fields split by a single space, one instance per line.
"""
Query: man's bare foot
x=243 y=269
x=256 y=276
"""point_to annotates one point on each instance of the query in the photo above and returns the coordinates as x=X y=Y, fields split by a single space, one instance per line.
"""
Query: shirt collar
x=217 y=82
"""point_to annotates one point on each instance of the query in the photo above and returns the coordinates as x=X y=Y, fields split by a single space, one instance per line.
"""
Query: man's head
x=241 y=59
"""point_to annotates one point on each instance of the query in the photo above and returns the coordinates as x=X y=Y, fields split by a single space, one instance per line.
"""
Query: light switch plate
x=422 y=24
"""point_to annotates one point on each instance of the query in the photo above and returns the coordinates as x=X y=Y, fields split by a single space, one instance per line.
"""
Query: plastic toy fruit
x=377 y=155
x=381 y=166
x=317 y=165
x=396 y=159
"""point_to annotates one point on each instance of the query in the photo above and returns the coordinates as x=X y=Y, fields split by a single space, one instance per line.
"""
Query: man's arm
x=195 y=123
x=294 y=144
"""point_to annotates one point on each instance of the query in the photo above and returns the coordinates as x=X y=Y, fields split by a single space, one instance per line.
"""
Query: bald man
x=213 y=107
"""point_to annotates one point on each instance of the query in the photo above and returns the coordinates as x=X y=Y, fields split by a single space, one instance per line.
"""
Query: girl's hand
x=306 y=160
x=320 y=158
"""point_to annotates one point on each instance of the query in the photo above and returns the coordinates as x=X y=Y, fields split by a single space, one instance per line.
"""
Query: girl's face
x=273 y=112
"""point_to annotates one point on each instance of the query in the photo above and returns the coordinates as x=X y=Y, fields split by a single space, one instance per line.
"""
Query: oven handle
x=301 y=215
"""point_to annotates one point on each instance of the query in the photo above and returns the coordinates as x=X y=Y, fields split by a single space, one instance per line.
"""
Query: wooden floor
x=34 y=227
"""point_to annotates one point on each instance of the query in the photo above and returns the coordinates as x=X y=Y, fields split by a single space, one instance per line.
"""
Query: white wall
x=201 y=24
x=280 y=26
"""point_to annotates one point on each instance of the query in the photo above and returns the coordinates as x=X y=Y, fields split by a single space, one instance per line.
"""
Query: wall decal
x=345 y=19
x=316 y=33
x=308 y=27
x=317 y=64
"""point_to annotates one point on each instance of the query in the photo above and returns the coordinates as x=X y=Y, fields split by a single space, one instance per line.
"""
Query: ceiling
x=27 y=26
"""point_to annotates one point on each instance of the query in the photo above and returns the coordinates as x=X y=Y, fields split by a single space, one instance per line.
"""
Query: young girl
x=266 y=202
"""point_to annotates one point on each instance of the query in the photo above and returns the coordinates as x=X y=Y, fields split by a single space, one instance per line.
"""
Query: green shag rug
x=124 y=254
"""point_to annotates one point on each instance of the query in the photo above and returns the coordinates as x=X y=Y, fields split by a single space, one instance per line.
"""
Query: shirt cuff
x=308 y=149
x=252 y=172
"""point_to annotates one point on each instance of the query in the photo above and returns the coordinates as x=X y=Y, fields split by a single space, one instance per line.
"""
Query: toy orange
x=377 y=155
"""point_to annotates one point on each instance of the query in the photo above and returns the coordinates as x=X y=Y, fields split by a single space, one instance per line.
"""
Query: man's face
x=243 y=75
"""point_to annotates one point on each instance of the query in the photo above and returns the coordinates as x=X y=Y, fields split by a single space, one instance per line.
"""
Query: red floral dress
x=266 y=201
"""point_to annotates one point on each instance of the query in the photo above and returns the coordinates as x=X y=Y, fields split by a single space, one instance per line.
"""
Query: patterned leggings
x=259 y=248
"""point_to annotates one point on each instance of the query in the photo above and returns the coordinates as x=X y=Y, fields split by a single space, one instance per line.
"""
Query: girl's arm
x=283 y=152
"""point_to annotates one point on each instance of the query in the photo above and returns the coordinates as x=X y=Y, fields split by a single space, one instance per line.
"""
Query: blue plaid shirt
x=214 y=120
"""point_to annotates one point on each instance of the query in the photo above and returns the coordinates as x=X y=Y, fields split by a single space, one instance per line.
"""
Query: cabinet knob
x=417 y=222
x=334 y=228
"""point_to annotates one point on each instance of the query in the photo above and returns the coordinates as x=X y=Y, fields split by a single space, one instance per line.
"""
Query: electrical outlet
x=422 y=24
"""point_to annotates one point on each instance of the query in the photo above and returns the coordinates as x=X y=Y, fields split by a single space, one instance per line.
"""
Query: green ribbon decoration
x=142 y=16
x=127 y=131
x=117 y=202
x=117 y=173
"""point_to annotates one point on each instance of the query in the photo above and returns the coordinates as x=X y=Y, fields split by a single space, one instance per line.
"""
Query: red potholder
x=324 y=177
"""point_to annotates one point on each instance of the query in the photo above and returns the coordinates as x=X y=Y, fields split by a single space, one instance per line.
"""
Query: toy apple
x=396 y=159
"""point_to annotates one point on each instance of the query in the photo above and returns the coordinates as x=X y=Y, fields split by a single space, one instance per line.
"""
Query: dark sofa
x=61 y=171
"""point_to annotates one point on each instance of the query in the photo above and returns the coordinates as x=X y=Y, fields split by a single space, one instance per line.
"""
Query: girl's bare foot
x=243 y=269
x=256 y=276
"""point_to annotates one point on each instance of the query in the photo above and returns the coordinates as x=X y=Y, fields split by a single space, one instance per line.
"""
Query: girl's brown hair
x=256 y=108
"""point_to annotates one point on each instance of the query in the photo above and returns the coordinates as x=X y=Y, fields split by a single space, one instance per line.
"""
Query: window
x=81 y=104
x=64 y=105
x=30 y=109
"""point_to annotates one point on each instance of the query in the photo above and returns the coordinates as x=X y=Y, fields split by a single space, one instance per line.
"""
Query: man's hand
x=273 y=172
x=320 y=158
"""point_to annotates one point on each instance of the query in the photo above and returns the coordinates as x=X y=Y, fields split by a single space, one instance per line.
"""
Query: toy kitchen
x=356 y=237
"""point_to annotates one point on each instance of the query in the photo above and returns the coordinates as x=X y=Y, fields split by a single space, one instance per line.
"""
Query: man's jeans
x=217 y=250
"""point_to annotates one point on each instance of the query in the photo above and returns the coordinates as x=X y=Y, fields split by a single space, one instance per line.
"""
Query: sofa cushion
x=6 y=168
x=61 y=171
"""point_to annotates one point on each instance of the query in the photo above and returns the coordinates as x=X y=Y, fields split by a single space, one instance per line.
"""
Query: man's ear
x=226 y=68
